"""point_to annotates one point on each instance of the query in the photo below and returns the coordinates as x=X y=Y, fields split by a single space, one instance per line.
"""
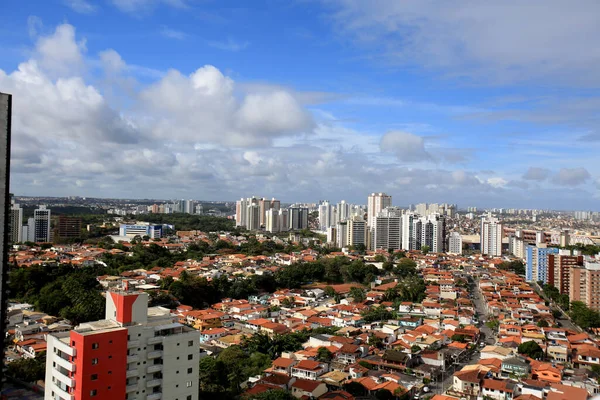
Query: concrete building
x=272 y=220
x=357 y=232
x=408 y=236
x=253 y=217
x=585 y=284
x=325 y=215
x=16 y=224
x=559 y=269
x=455 y=243
x=284 y=222
x=387 y=232
x=433 y=229
x=376 y=202
x=341 y=234
x=69 y=227
x=491 y=236
x=141 y=229
x=343 y=211
x=536 y=263
x=41 y=225
x=135 y=353
x=298 y=218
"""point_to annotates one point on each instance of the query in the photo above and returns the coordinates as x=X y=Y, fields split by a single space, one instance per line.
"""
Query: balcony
x=65 y=348
x=132 y=373
x=133 y=358
x=155 y=340
x=155 y=354
x=63 y=378
x=131 y=388
x=64 y=363
x=154 y=396
x=133 y=343
x=56 y=389
x=153 y=383
x=154 y=368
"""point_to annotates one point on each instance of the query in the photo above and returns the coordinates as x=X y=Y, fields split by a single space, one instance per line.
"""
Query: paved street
x=479 y=302
x=565 y=321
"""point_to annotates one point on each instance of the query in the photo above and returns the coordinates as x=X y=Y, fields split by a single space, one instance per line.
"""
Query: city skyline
x=408 y=99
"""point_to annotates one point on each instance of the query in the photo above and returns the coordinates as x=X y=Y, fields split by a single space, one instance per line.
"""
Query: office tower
x=284 y=222
x=491 y=236
x=141 y=229
x=408 y=237
x=41 y=228
x=69 y=227
x=324 y=215
x=536 y=268
x=388 y=229
x=253 y=217
x=585 y=284
x=375 y=203
x=343 y=211
x=455 y=243
x=135 y=353
x=559 y=269
x=298 y=218
x=357 y=232
x=16 y=224
x=272 y=220
x=341 y=233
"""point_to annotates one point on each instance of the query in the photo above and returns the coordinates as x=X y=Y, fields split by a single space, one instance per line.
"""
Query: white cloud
x=536 y=174
x=81 y=6
x=406 y=146
x=506 y=41
x=228 y=45
x=497 y=182
x=60 y=54
x=34 y=25
x=172 y=33
x=572 y=176
x=132 y=6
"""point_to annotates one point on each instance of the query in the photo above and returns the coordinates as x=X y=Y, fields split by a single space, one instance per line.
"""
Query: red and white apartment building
x=137 y=352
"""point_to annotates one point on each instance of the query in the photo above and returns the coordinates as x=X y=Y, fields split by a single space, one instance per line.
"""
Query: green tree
x=531 y=349
x=425 y=249
x=415 y=349
x=542 y=323
x=324 y=354
x=406 y=267
x=357 y=294
x=28 y=369
x=329 y=291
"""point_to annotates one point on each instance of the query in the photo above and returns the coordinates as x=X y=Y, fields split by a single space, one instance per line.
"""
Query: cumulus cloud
x=81 y=6
x=571 y=176
x=408 y=147
x=536 y=174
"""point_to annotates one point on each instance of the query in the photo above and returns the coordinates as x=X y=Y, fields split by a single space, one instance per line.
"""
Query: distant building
x=491 y=236
x=136 y=352
x=559 y=269
x=455 y=243
x=141 y=229
x=41 y=224
x=16 y=224
x=357 y=232
x=387 y=232
x=537 y=263
x=376 y=202
x=298 y=218
x=69 y=227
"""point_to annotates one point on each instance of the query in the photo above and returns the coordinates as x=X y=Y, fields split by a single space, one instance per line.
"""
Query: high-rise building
x=343 y=211
x=16 y=224
x=537 y=266
x=69 y=227
x=433 y=233
x=454 y=243
x=491 y=236
x=188 y=206
x=41 y=228
x=387 y=233
x=298 y=218
x=325 y=215
x=264 y=205
x=253 y=217
x=284 y=220
x=559 y=268
x=376 y=202
x=135 y=353
x=272 y=220
x=341 y=233
x=585 y=284
x=241 y=207
x=408 y=236
x=357 y=232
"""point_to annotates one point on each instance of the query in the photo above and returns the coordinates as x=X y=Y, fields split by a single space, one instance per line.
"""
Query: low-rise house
x=468 y=382
x=309 y=369
x=564 y=392
x=283 y=365
x=515 y=366
x=304 y=388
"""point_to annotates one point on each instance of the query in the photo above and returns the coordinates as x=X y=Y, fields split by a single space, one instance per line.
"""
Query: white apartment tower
x=325 y=215
x=135 y=353
x=41 y=227
x=253 y=217
x=455 y=243
x=343 y=210
x=272 y=220
x=357 y=232
x=491 y=236
x=376 y=202
x=408 y=237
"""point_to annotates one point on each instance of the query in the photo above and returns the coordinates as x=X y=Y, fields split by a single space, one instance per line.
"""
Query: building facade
x=135 y=353
x=376 y=202
x=537 y=263
x=16 y=224
x=585 y=284
x=455 y=243
x=69 y=227
x=41 y=224
x=141 y=229
x=491 y=236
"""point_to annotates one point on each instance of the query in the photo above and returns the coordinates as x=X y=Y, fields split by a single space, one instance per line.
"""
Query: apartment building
x=559 y=269
x=137 y=352
x=585 y=284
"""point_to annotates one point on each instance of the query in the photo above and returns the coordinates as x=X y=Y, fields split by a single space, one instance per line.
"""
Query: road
x=488 y=335
x=565 y=321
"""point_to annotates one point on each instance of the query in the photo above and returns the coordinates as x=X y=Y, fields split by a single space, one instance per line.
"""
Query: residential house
x=309 y=369
x=304 y=388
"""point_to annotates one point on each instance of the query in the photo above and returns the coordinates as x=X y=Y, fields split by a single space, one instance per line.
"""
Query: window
x=94 y=361
x=189 y=397
x=93 y=392
x=94 y=377
x=190 y=343
x=190 y=356
x=95 y=346
x=190 y=370
x=188 y=384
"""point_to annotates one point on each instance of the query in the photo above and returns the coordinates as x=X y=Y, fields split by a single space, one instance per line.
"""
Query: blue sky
x=494 y=105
